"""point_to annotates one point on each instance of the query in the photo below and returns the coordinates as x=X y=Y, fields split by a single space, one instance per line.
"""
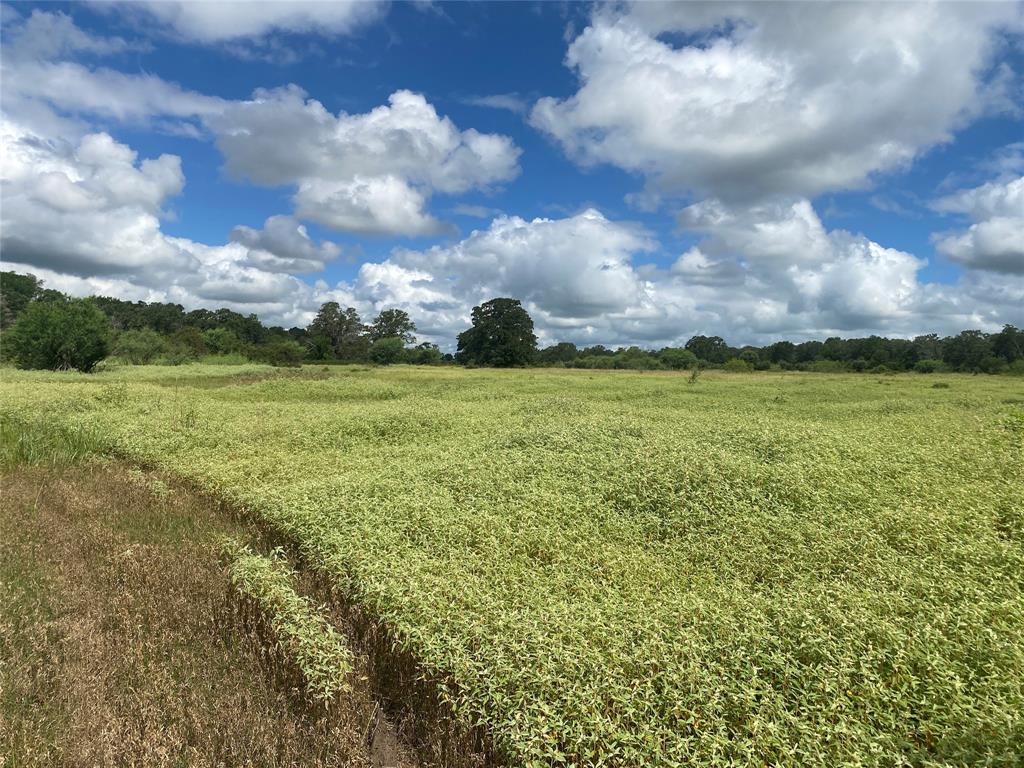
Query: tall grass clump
x=303 y=637
x=38 y=440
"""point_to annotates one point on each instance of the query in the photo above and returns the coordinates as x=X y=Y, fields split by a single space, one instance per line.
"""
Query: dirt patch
x=118 y=646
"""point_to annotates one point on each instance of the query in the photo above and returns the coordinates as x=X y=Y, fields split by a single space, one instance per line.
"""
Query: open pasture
x=613 y=568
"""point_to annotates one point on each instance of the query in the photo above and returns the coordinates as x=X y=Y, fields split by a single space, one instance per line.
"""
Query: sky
x=634 y=174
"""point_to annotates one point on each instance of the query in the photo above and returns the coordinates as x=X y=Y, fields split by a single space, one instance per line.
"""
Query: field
x=605 y=568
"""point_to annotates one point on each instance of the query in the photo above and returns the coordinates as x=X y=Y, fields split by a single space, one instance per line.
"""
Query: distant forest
x=502 y=334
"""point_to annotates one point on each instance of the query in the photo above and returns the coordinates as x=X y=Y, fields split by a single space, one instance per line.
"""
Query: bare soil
x=117 y=645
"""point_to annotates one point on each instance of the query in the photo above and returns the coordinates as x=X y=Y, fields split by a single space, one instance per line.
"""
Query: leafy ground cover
x=636 y=569
x=302 y=634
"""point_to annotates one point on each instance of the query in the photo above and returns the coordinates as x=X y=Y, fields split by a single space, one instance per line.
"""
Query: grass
x=36 y=440
x=635 y=569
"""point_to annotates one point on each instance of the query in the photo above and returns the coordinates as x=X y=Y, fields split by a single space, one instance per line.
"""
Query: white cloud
x=511 y=102
x=367 y=205
x=284 y=245
x=370 y=173
x=86 y=218
x=574 y=267
x=44 y=91
x=213 y=21
x=280 y=136
x=764 y=98
x=366 y=173
x=774 y=234
x=73 y=88
x=44 y=35
x=995 y=241
x=85 y=209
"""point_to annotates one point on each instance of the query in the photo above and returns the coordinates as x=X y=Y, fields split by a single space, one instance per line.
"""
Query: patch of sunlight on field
x=623 y=568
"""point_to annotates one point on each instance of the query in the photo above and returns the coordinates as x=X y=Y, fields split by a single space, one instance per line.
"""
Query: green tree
x=139 y=347
x=387 y=351
x=282 y=353
x=60 y=335
x=677 y=358
x=966 y=350
x=562 y=352
x=318 y=347
x=393 y=323
x=502 y=335
x=221 y=341
x=187 y=343
x=343 y=329
x=782 y=352
x=711 y=349
x=737 y=365
x=1009 y=343
x=16 y=291
x=424 y=354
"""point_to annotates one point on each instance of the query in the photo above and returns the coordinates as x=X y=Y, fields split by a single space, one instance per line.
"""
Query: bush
x=60 y=335
x=424 y=354
x=994 y=364
x=928 y=366
x=825 y=366
x=388 y=350
x=677 y=358
x=221 y=341
x=139 y=347
x=736 y=365
x=283 y=353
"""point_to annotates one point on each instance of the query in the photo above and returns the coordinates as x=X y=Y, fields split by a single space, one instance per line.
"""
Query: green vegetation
x=501 y=336
x=303 y=635
x=636 y=568
x=38 y=440
x=59 y=334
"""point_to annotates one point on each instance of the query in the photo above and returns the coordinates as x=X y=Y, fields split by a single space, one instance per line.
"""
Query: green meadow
x=622 y=568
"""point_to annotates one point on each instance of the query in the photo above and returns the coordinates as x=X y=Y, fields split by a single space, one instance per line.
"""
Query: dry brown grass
x=119 y=645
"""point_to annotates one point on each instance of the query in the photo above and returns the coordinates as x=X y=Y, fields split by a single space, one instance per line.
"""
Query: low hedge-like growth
x=304 y=637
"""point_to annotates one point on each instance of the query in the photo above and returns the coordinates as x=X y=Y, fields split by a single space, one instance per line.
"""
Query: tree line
x=43 y=328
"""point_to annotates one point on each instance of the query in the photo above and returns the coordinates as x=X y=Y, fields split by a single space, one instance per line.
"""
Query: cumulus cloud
x=85 y=209
x=284 y=245
x=574 y=267
x=214 y=21
x=370 y=173
x=86 y=218
x=367 y=205
x=995 y=241
x=742 y=101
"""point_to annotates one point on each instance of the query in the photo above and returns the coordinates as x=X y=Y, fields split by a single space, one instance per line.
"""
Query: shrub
x=993 y=364
x=736 y=365
x=221 y=341
x=60 y=335
x=388 y=350
x=424 y=354
x=825 y=366
x=928 y=366
x=677 y=359
x=283 y=353
x=139 y=347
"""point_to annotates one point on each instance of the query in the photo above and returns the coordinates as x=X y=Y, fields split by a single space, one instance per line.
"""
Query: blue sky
x=645 y=173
